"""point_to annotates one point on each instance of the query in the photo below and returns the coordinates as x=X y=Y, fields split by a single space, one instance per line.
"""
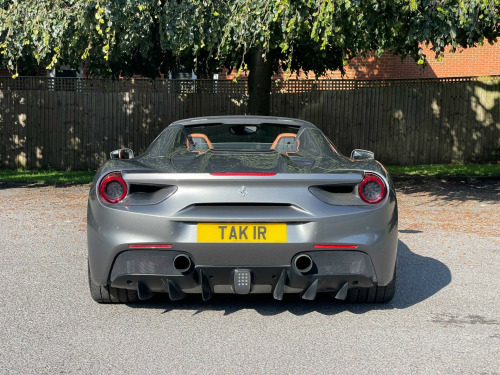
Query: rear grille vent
x=137 y=188
x=338 y=189
x=337 y=195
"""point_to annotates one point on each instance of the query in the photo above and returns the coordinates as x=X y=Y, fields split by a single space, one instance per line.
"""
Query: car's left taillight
x=113 y=188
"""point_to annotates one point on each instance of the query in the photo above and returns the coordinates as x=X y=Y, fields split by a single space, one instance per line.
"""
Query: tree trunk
x=259 y=84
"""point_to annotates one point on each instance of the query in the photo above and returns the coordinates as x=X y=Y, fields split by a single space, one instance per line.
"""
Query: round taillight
x=372 y=189
x=113 y=187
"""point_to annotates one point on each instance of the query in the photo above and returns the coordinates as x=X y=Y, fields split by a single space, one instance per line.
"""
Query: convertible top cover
x=243 y=144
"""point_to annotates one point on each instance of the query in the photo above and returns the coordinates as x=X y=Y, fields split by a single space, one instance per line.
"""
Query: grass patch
x=447 y=170
x=47 y=177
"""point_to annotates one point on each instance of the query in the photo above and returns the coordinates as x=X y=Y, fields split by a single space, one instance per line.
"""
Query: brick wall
x=466 y=62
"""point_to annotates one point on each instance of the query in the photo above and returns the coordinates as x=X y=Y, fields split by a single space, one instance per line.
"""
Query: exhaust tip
x=302 y=263
x=182 y=263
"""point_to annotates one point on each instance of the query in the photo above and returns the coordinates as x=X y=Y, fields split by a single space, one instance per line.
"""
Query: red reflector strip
x=149 y=246
x=335 y=246
x=242 y=174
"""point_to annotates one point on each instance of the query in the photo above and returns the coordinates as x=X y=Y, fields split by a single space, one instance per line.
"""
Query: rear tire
x=374 y=294
x=108 y=294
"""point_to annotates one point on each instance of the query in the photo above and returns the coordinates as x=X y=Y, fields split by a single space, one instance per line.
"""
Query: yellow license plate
x=242 y=232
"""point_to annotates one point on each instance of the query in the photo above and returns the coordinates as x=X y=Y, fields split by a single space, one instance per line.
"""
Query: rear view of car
x=242 y=205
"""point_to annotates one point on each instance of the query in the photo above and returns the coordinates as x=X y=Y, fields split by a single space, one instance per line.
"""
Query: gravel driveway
x=444 y=319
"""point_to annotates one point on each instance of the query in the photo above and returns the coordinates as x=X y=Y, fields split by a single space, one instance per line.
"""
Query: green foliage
x=32 y=33
x=46 y=177
x=150 y=37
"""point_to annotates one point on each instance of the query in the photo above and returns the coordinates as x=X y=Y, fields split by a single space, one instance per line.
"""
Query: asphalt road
x=444 y=319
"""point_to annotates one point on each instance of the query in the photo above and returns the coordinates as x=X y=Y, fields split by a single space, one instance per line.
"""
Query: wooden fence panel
x=75 y=126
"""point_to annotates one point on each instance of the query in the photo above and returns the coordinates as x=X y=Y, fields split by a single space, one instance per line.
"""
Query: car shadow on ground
x=484 y=190
x=419 y=278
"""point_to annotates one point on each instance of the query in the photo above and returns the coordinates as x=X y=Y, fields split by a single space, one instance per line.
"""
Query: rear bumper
x=373 y=231
x=153 y=271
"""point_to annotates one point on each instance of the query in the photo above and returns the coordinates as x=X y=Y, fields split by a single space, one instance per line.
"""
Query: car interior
x=285 y=143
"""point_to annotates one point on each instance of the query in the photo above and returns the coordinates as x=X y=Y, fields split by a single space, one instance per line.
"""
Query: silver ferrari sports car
x=242 y=204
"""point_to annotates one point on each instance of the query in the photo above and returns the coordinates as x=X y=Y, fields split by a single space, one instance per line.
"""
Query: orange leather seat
x=286 y=143
x=198 y=142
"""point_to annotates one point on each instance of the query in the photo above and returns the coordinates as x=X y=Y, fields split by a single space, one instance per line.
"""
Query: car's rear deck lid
x=155 y=178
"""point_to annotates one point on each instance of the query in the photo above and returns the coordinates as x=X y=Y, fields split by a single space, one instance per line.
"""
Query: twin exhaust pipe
x=302 y=263
x=182 y=263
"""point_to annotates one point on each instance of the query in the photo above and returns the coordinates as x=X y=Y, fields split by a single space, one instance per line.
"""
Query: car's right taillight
x=372 y=189
x=113 y=188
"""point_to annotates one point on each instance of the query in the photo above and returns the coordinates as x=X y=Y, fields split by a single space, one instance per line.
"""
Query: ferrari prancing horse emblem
x=243 y=191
